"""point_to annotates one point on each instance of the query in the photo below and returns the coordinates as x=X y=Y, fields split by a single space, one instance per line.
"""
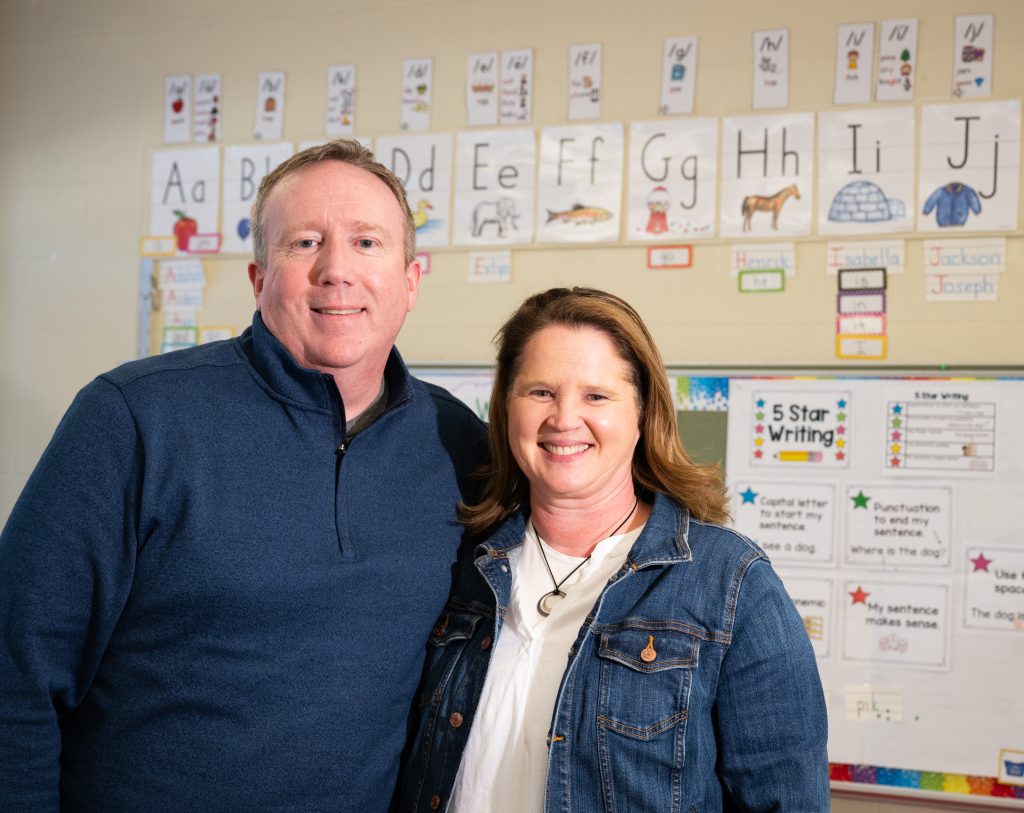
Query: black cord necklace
x=547 y=602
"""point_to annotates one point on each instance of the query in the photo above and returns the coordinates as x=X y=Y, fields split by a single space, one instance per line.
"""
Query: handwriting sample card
x=897 y=61
x=244 y=168
x=269 y=125
x=994 y=590
x=482 y=79
x=855 y=52
x=340 y=107
x=771 y=69
x=207 y=107
x=177 y=108
x=899 y=623
x=896 y=526
x=800 y=430
x=417 y=92
x=584 y=82
x=515 y=101
x=678 y=76
x=184 y=194
x=792 y=521
x=972 y=55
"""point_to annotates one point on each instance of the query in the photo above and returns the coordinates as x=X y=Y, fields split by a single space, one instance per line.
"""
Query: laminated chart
x=947 y=435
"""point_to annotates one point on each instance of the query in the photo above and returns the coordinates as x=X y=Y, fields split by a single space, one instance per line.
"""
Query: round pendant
x=548 y=601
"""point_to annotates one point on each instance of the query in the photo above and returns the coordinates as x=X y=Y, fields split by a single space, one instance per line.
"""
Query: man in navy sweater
x=217 y=583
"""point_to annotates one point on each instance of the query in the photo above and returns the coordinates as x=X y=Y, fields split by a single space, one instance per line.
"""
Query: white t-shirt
x=504 y=767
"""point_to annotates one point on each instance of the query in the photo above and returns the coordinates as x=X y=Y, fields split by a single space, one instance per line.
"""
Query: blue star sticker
x=760 y=403
x=841 y=403
x=748 y=496
x=897 y=409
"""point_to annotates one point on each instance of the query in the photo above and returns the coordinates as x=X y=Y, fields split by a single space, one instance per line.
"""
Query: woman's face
x=573 y=418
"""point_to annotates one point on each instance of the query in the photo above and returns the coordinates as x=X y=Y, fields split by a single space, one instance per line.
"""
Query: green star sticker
x=860 y=500
x=840 y=416
x=759 y=416
x=896 y=422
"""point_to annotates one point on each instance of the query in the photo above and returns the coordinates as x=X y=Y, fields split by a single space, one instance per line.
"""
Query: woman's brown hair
x=660 y=464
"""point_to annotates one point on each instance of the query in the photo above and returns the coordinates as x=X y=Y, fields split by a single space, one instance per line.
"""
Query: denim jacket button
x=435 y=802
x=485 y=644
x=649 y=653
x=455 y=719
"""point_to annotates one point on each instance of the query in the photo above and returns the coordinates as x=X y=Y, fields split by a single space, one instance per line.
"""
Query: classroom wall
x=81 y=93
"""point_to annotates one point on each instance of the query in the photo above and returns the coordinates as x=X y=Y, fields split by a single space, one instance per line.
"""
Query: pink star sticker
x=896 y=435
x=840 y=430
x=759 y=428
x=981 y=563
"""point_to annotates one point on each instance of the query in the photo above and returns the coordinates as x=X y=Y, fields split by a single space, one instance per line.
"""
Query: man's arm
x=66 y=561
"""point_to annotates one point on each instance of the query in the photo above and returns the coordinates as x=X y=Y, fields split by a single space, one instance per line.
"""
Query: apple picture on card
x=177 y=105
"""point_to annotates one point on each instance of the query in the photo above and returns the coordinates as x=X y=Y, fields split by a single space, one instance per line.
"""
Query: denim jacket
x=728 y=715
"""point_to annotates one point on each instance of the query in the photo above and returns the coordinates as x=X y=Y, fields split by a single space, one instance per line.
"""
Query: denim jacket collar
x=664 y=539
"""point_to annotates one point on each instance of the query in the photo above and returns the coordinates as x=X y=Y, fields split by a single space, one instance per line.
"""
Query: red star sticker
x=894 y=462
x=859 y=596
x=758 y=453
x=981 y=563
x=840 y=456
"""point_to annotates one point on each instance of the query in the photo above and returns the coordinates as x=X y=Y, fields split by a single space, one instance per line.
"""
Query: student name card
x=206 y=109
x=177 y=108
x=763 y=257
x=340 y=107
x=417 y=92
x=678 y=76
x=972 y=56
x=963 y=270
x=855 y=51
x=482 y=79
x=584 y=82
x=897 y=61
x=771 y=69
x=269 y=124
x=887 y=254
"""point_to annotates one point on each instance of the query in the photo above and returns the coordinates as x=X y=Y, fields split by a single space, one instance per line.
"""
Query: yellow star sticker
x=895 y=448
x=840 y=443
x=758 y=441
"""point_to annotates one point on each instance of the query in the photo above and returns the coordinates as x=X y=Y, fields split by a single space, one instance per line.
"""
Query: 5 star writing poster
x=885 y=504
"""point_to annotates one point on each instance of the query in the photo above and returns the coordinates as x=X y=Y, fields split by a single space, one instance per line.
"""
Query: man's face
x=336 y=287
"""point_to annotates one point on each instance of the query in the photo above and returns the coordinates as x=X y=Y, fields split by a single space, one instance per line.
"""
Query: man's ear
x=256 y=277
x=413 y=272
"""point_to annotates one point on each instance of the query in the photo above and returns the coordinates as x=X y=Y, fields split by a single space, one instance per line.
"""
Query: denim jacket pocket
x=444 y=646
x=645 y=676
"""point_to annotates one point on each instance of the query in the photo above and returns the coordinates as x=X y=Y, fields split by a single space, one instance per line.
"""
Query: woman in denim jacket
x=609 y=645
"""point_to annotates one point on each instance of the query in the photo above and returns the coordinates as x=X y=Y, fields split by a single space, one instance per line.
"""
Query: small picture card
x=417 y=92
x=680 y=256
x=1011 y=766
x=515 y=98
x=163 y=246
x=584 y=82
x=177 y=108
x=859 y=303
x=490 y=266
x=269 y=124
x=855 y=51
x=340 y=108
x=678 y=76
x=206 y=110
x=771 y=69
x=865 y=348
x=423 y=258
x=768 y=281
x=482 y=79
x=972 y=56
x=862 y=279
x=897 y=61
x=861 y=324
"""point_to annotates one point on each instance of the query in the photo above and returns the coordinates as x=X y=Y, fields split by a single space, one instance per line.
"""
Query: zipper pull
x=340 y=451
